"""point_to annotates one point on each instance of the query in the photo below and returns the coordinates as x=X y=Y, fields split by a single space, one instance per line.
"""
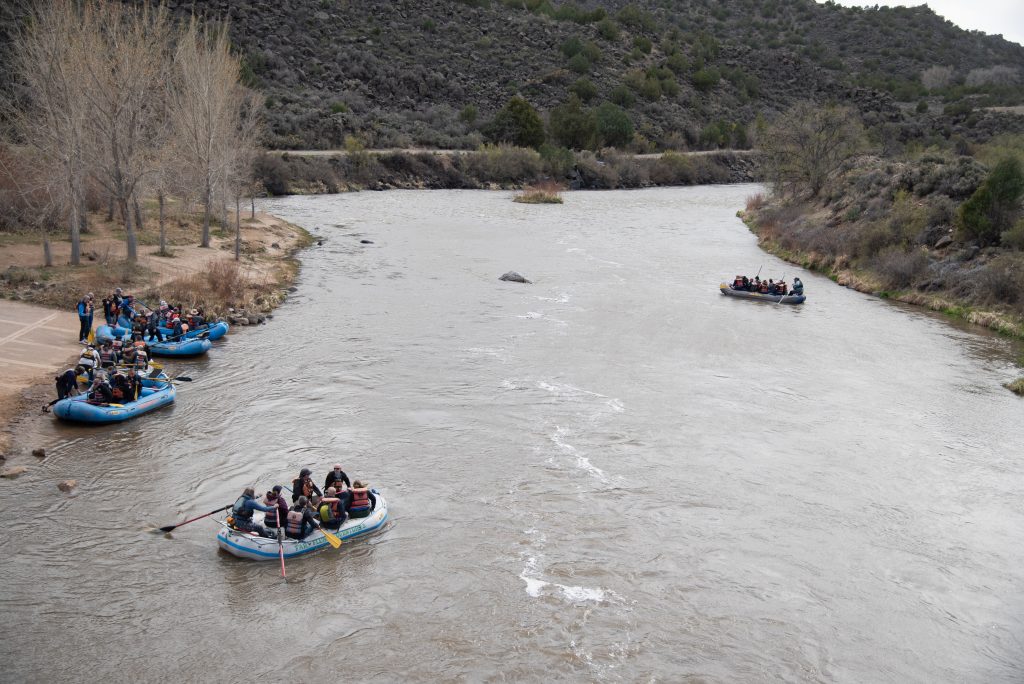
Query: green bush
x=339 y=107
x=579 y=63
x=608 y=29
x=614 y=127
x=651 y=88
x=558 y=161
x=677 y=63
x=592 y=52
x=503 y=164
x=622 y=96
x=584 y=89
x=705 y=79
x=643 y=44
x=922 y=107
x=673 y=169
x=573 y=126
x=994 y=207
x=468 y=114
x=572 y=46
x=1014 y=237
x=517 y=123
x=631 y=15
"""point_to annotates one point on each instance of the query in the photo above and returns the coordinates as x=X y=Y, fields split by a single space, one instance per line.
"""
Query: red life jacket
x=307 y=487
x=294 y=522
x=360 y=499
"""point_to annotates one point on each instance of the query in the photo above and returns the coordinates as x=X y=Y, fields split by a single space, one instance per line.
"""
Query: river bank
x=37 y=303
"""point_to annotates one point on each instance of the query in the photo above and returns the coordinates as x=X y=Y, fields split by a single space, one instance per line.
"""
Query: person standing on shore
x=85 y=318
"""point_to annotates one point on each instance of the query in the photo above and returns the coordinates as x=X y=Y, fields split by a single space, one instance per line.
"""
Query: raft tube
x=253 y=547
x=759 y=297
x=186 y=347
x=213 y=331
x=79 y=410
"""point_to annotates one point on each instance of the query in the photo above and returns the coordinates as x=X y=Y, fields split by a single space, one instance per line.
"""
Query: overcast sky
x=991 y=16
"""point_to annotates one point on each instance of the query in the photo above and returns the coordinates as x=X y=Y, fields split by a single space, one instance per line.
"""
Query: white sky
x=1004 y=17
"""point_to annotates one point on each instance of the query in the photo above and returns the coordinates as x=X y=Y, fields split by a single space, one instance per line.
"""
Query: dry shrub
x=1000 y=281
x=503 y=164
x=899 y=268
x=545 y=192
x=221 y=284
x=756 y=202
x=596 y=174
x=673 y=169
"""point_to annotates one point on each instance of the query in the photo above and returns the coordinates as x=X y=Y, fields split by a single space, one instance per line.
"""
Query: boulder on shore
x=13 y=472
x=67 y=485
x=514 y=277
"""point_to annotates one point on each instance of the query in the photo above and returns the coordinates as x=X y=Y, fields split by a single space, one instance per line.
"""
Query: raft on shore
x=79 y=410
x=727 y=290
x=186 y=347
x=254 y=547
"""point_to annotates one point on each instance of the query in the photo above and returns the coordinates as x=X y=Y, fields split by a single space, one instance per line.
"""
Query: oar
x=280 y=543
x=168 y=528
x=783 y=296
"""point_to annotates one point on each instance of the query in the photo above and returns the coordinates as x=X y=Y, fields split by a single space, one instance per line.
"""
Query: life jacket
x=141 y=360
x=307 y=487
x=360 y=499
x=117 y=394
x=738 y=282
x=108 y=357
x=294 y=522
x=88 y=358
x=271 y=517
x=240 y=510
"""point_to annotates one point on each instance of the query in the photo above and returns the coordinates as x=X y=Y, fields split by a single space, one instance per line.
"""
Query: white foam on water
x=532 y=314
x=535 y=587
x=582 y=462
x=562 y=298
x=496 y=352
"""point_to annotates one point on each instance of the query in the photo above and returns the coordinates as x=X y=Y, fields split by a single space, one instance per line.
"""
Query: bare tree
x=808 y=145
x=208 y=104
x=125 y=64
x=52 y=118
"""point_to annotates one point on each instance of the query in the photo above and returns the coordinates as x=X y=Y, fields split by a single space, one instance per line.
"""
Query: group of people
x=112 y=385
x=145 y=323
x=769 y=287
x=311 y=508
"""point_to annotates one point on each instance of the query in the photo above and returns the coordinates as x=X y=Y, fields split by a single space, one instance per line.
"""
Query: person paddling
x=798 y=286
x=304 y=486
x=275 y=500
x=242 y=511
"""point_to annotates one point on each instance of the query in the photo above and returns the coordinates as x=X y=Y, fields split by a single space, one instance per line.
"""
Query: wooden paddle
x=168 y=528
x=280 y=542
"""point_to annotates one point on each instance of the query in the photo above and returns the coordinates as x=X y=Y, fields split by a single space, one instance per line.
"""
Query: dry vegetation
x=548 y=192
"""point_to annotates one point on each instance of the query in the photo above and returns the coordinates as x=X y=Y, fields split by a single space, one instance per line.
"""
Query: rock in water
x=514 y=277
x=39 y=453
x=366 y=242
x=67 y=485
x=11 y=473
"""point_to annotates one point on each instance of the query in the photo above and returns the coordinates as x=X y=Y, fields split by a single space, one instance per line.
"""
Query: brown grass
x=545 y=192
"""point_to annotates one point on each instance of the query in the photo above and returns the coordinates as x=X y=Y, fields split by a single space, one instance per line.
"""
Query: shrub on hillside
x=503 y=164
x=584 y=89
x=573 y=126
x=995 y=206
x=1000 y=281
x=596 y=174
x=558 y=161
x=673 y=169
x=608 y=29
x=705 y=79
x=517 y=123
x=579 y=63
x=613 y=126
x=622 y=96
x=901 y=268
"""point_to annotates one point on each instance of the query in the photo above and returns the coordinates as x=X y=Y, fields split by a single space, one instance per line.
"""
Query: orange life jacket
x=294 y=522
x=360 y=499
x=307 y=487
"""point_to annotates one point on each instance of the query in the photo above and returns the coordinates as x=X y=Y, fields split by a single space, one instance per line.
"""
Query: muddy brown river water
x=613 y=474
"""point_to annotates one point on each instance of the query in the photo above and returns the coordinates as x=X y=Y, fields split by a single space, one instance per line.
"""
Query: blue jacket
x=83 y=309
x=245 y=505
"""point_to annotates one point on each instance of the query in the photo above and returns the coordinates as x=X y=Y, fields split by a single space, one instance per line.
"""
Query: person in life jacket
x=141 y=361
x=303 y=486
x=781 y=287
x=276 y=501
x=798 y=286
x=100 y=392
x=332 y=512
x=134 y=385
x=363 y=501
x=108 y=357
x=121 y=388
x=737 y=283
x=153 y=326
x=336 y=477
x=90 y=361
x=300 y=520
x=242 y=510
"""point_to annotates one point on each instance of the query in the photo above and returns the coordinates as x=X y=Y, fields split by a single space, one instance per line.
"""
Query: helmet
x=304 y=472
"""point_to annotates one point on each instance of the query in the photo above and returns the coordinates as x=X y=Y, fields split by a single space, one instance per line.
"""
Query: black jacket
x=297 y=488
x=331 y=479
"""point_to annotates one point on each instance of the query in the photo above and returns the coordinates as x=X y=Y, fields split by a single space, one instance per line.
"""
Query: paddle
x=783 y=296
x=168 y=528
x=280 y=542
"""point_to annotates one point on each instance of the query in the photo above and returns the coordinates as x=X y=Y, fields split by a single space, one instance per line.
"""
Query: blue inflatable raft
x=186 y=347
x=212 y=331
x=255 y=547
x=79 y=410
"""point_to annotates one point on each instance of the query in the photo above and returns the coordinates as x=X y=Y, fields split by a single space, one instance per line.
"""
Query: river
x=612 y=474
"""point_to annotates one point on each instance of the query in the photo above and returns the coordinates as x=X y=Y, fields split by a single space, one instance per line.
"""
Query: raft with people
x=82 y=409
x=251 y=545
x=764 y=290
x=182 y=347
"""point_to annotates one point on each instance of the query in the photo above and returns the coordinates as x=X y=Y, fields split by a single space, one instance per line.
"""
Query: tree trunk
x=110 y=208
x=47 y=253
x=206 y=217
x=129 y=233
x=83 y=214
x=238 y=228
x=252 y=213
x=139 y=223
x=163 y=232
x=224 y=225
x=76 y=227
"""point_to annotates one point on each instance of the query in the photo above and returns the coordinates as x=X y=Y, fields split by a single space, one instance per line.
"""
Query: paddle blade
x=167 y=528
x=331 y=539
x=183 y=378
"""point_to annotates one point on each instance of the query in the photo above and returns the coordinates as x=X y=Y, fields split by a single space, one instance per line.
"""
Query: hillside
x=690 y=74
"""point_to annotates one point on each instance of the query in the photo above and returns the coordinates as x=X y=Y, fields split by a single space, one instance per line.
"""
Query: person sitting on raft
x=300 y=520
x=336 y=477
x=241 y=514
x=108 y=357
x=100 y=392
x=275 y=500
x=363 y=501
x=331 y=509
x=798 y=286
x=303 y=486
x=121 y=388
